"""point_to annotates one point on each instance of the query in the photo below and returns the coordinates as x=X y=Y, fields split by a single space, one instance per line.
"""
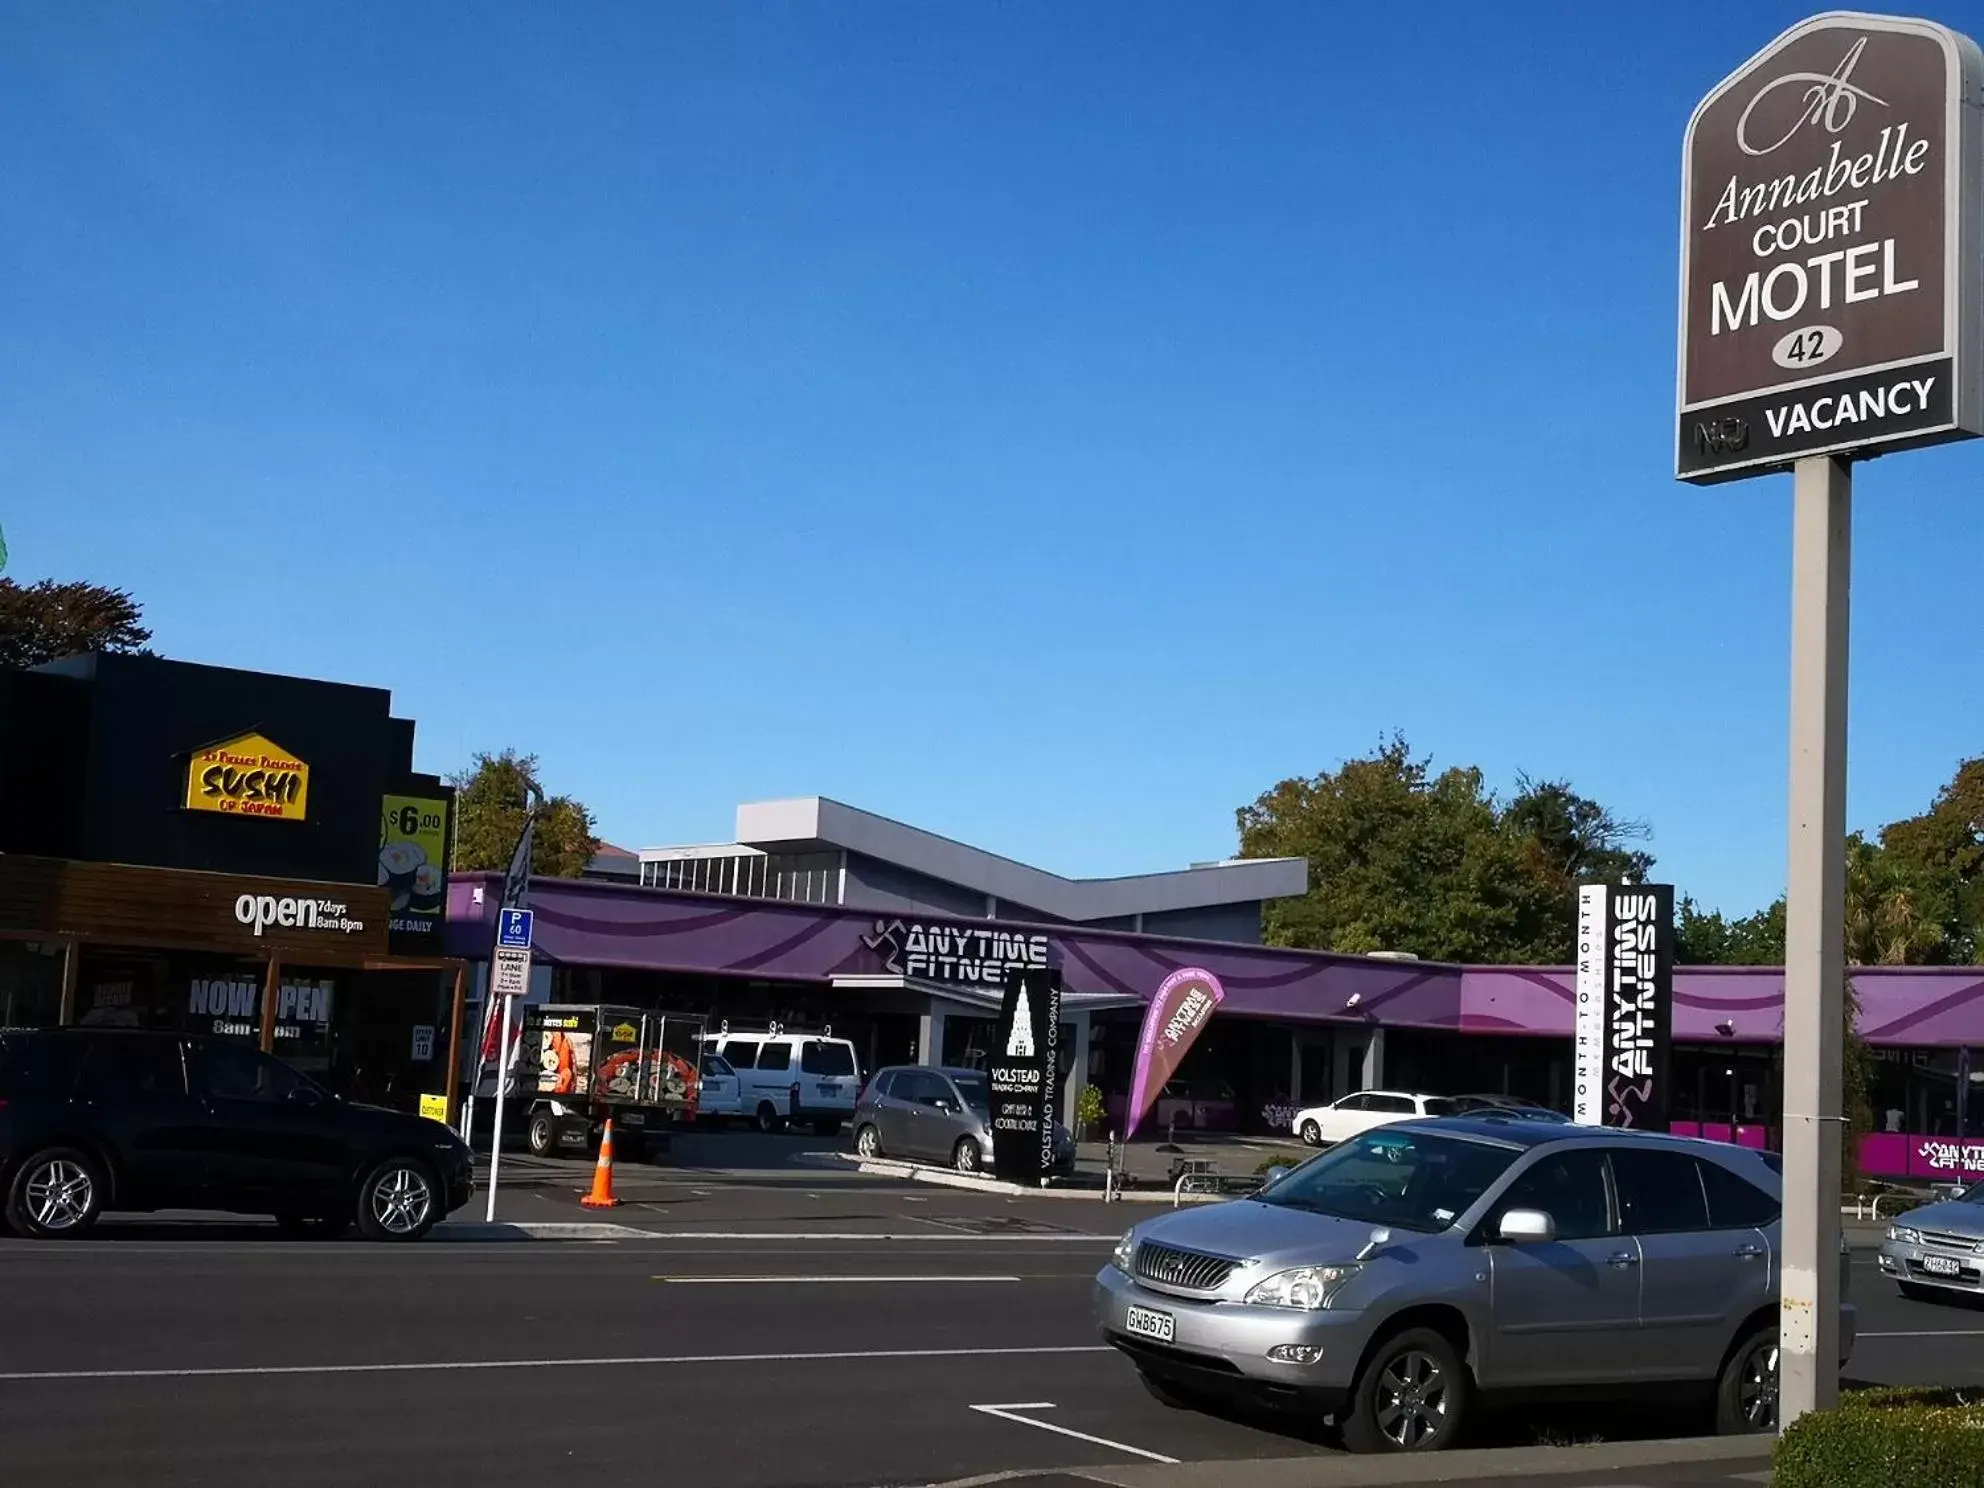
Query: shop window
x=30 y=983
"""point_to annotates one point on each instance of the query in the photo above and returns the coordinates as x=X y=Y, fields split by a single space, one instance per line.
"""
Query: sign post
x=1832 y=308
x=509 y=979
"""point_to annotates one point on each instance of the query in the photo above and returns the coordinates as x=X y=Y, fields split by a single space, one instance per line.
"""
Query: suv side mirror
x=1528 y=1227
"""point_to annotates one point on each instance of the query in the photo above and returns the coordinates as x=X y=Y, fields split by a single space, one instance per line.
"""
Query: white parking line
x=1930 y=1333
x=27 y=1376
x=828 y=1280
x=1007 y=1413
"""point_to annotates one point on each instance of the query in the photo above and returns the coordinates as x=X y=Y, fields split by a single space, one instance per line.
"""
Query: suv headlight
x=1305 y=1289
x=1125 y=1252
x=1903 y=1235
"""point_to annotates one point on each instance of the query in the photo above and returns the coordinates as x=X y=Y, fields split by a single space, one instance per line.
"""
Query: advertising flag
x=1178 y=1015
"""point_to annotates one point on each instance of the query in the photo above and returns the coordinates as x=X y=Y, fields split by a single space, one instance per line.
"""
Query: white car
x=1325 y=1126
x=718 y=1098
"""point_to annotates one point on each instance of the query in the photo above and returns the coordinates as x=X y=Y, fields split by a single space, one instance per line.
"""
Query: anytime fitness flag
x=1178 y=1015
x=1625 y=1004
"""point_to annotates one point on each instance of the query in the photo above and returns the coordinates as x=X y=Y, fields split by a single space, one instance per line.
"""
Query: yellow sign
x=626 y=1033
x=413 y=860
x=248 y=775
x=435 y=1108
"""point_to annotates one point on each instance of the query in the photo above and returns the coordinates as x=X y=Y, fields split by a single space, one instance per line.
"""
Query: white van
x=787 y=1077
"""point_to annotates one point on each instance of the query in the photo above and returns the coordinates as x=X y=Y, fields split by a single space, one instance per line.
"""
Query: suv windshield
x=716 y=1068
x=1412 y=1180
x=976 y=1090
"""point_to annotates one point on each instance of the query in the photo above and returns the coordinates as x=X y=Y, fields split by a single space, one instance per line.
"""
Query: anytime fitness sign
x=1830 y=257
x=1625 y=1004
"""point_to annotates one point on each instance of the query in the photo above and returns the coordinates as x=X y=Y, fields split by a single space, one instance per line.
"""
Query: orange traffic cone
x=601 y=1196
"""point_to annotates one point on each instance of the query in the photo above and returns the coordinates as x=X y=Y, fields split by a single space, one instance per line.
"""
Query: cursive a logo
x=1830 y=101
x=262 y=911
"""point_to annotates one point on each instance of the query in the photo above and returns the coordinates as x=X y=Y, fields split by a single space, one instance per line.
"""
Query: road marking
x=1930 y=1333
x=826 y=1280
x=871 y=1235
x=29 y=1376
x=1008 y=1413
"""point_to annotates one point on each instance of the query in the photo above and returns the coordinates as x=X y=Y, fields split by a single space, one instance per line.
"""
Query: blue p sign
x=513 y=927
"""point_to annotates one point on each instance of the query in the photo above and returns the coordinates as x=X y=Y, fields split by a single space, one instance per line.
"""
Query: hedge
x=1906 y=1438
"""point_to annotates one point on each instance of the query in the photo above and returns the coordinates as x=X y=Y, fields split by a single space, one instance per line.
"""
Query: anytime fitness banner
x=1177 y=1016
x=1625 y=1004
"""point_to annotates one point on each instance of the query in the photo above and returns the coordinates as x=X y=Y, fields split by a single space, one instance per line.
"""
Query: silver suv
x=1387 y=1282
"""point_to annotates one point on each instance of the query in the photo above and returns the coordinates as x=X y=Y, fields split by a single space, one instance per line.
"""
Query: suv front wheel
x=398 y=1200
x=56 y=1195
x=1410 y=1396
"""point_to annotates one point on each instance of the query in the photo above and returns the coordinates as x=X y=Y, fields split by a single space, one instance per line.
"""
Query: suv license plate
x=634 y=1118
x=830 y=1089
x=1941 y=1266
x=1147 y=1324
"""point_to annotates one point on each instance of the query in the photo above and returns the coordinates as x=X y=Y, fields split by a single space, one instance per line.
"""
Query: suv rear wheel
x=1746 y=1393
x=1409 y=1397
x=56 y=1195
x=768 y=1118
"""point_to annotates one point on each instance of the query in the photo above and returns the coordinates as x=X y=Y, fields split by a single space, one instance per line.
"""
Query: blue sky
x=1049 y=425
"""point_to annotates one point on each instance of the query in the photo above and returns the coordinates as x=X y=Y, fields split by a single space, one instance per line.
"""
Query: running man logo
x=1019 y=1045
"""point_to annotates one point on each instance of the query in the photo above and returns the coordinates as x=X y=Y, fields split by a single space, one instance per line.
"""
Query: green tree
x=491 y=800
x=47 y=621
x=1403 y=859
x=1572 y=839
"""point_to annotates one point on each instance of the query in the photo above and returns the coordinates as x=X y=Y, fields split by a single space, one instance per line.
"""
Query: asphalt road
x=761 y=1334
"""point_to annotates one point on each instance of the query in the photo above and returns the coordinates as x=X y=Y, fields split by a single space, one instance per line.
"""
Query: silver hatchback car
x=936 y=1115
x=1391 y=1280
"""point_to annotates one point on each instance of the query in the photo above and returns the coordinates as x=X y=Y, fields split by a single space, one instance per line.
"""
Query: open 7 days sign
x=1831 y=254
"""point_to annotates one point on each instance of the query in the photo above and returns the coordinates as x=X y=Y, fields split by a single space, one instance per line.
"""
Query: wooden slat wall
x=159 y=906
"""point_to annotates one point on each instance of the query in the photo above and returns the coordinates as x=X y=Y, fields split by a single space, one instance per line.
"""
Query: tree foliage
x=492 y=798
x=47 y=621
x=1405 y=859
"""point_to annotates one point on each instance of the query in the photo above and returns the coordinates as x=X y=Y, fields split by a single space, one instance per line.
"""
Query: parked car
x=786 y=1078
x=1936 y=1253
x=718 y=1097
x=1508 y=1107
x=1324 y=1126
x=100 y=1119
x=937 y=1115
x=1391 y=1280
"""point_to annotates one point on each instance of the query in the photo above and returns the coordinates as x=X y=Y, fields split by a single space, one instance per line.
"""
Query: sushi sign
x=248 y=775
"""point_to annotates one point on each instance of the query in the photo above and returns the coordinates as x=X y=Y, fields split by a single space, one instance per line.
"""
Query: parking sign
x=513 y=927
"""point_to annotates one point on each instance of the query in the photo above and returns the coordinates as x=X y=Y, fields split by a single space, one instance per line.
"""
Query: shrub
x=1089 y=1109
x=1884 y=1439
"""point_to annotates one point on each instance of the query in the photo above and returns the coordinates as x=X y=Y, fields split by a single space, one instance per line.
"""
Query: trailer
x=579 y=1064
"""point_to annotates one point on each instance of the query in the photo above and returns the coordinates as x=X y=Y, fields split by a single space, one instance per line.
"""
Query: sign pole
x=1815 y=937
x=496 y=1135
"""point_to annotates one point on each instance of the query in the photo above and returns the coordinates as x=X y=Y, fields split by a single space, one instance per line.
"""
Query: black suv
x=98 y=1118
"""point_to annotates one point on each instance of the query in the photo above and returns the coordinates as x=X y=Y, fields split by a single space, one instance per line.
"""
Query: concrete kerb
x=910 y=1172
x=475 y=1230
x=1594 y=1461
